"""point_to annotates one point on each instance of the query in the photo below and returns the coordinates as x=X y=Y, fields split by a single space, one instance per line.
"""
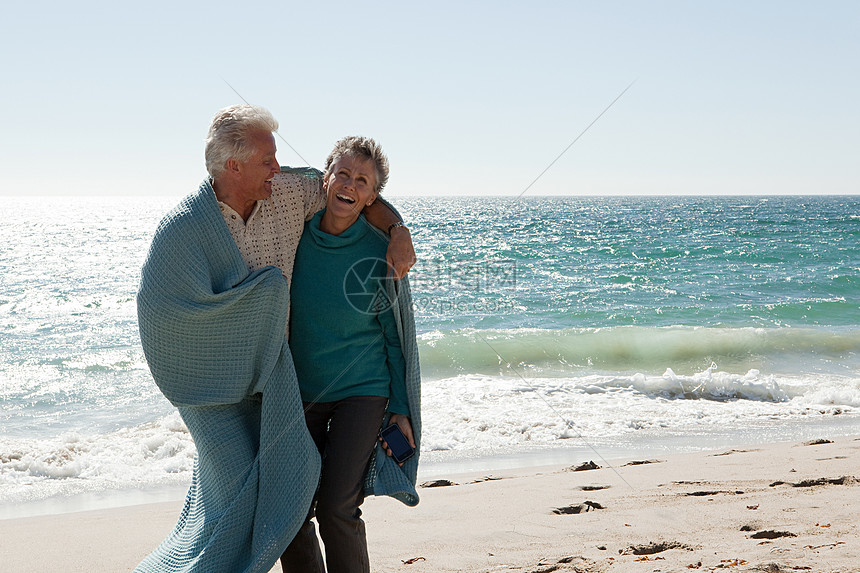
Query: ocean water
x=548 y=327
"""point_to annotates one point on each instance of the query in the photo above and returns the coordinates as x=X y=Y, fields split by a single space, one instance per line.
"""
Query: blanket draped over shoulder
x=384 y=476
x=213 y=336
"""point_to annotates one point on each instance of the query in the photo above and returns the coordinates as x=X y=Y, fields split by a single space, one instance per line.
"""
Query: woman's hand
x=405 y=426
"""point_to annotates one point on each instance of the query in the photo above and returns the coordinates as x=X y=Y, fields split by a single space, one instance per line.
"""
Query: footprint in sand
x=593 y=487
x=581 y=508
x=771 y=534
x=844 y=480
x=583 y=467
x=437 y=483
x=710 y=493
x=652 y=548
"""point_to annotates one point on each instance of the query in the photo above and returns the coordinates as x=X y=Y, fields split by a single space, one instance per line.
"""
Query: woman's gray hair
x=229 y=133
x=362 y=147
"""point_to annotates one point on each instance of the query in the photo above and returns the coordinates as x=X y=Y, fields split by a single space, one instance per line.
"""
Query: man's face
x=256 y=173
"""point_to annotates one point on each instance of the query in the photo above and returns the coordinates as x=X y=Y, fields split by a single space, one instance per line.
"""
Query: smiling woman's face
x=350 y=187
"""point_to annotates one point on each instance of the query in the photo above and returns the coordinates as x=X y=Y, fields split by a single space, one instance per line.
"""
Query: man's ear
x=233 y=166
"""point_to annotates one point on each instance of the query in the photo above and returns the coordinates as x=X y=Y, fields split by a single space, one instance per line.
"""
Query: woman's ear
x=372 y=199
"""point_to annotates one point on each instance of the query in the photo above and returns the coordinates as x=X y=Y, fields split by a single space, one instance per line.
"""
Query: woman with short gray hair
x=352 y=334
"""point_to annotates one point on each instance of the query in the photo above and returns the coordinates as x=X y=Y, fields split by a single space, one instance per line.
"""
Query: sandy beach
x=781 y=507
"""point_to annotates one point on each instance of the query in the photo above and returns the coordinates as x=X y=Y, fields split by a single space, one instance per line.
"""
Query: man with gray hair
x=213 y=306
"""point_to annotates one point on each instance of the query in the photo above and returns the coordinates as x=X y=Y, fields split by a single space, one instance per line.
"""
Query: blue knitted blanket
x=213 y=335
x=384 y=476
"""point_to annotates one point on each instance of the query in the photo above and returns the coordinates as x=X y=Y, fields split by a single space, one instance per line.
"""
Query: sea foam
x=151 y=454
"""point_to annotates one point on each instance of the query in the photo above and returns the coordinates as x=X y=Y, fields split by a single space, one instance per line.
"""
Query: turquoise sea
x=551 y=327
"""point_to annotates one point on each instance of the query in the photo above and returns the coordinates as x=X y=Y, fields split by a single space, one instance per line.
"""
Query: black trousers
x=345 y=433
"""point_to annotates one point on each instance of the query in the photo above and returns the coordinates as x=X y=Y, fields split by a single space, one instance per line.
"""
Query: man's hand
x=401 y=253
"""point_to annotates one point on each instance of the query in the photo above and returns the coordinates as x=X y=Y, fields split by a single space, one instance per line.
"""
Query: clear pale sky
x=467 y=98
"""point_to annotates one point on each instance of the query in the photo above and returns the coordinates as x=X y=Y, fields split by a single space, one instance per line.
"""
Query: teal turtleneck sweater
x=343 y=336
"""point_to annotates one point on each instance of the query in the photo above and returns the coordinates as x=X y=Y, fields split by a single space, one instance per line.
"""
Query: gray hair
x=361 y=147
x=230 y=132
